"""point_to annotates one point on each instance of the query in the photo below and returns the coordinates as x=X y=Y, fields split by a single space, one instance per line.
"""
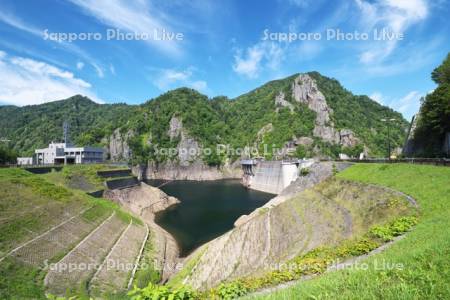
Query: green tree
x=434 y=117
x=441 y=74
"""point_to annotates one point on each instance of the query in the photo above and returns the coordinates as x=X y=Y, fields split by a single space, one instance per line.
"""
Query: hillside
x=301 y=115
x=415 y=267
x=34 y=126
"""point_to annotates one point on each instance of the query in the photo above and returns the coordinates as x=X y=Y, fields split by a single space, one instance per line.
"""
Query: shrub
x=232 y=290
x=304 y=172
x=162 y=292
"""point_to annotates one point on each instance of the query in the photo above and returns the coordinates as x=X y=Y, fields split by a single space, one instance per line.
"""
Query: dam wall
x=272 y=176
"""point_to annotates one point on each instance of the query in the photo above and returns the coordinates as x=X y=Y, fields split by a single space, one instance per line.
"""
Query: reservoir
x=207 y=209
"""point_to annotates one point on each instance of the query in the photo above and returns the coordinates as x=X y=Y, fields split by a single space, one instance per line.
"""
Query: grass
x=421 y=259
x=146 y=272
x=31 y=204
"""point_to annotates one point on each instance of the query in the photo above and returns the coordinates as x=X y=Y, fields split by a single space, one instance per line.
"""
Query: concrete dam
x=271 y=176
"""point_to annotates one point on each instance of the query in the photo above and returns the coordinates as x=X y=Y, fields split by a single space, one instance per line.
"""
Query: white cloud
x=249 y=66
x=98 y=70
x=378 y=97
x=200 y=85
x=409 y=104
x=80 y=65
x=170 y=78
x=25 y=81
x=131 y=16
x=396 y=16
x=112 y=69
x=13 y=21
x=258 y=57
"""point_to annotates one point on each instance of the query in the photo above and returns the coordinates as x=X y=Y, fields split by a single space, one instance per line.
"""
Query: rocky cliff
x=188 y=163
x=196 y=170
x=117 y=147
x=305 y=90
x=291 y=224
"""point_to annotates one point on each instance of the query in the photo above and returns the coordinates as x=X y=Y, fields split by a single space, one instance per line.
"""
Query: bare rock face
x=304 y=90
x=327 y=133
x=188 y=150
x=175 y=127
x=118 y=145
x=348 y=138
x=305 y=141
x=197 y=170
x=281 y=102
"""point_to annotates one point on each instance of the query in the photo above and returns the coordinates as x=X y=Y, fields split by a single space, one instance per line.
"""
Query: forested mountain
x=34 y=126
x=303 y=115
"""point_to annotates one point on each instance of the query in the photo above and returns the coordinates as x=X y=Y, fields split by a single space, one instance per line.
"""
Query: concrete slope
x=292 y=225
x=75 y=269
x=115 y=271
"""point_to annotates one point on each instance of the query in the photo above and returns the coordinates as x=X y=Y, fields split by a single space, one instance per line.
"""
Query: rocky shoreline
x=145 y=201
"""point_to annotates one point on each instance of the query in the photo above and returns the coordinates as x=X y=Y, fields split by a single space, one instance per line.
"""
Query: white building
x=64 y=153
x=25 y=161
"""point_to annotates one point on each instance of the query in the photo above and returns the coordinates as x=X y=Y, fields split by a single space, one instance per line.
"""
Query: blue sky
x=223 y=49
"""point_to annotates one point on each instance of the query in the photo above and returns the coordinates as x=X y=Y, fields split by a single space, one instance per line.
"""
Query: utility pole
x=388 y=121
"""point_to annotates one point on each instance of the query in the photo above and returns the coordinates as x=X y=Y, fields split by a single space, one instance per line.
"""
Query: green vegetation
x=32 y=127
x=146 y=273
x=29 y=205
x=7 y=156
x=176 y=280
x=20 y=281
x=423 y=253
x=160 y=292
x=362 y=115
x=434 y=116
x=316 y=261
x=236 y=122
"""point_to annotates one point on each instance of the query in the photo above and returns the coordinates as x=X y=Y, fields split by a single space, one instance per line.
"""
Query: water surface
x=207 y=209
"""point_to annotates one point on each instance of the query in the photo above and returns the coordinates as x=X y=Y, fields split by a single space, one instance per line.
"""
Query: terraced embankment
x=114 y=275
x=54 y=236
x=291 y=225
x=77 y=267
x=59 y=239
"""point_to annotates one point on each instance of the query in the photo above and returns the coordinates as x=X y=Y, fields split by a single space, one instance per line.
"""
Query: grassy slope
x=424 y=252
x=20 y=191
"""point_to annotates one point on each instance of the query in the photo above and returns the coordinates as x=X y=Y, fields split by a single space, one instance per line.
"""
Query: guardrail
x=422 y=161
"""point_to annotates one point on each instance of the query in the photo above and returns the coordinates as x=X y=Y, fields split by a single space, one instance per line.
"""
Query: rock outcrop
x=347 y=138
x=175 y=127
x=145 y=201
x=281 y=102
x=305 y=90
x=188 y=164
x=119 y=149
x=293 y=223
x=196 y=170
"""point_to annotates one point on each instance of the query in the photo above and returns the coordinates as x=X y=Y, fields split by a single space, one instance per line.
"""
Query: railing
x=427 y=161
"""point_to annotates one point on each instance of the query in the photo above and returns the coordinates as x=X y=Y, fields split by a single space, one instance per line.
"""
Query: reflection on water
x=207 y=209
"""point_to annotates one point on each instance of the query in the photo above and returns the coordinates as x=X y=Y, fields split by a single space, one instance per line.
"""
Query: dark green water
x=207 y=209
